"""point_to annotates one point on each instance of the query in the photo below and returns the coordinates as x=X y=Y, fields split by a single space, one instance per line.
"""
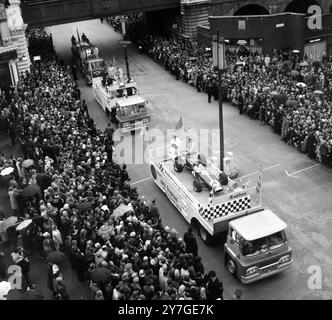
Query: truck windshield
x=97 y=65
x=262 y=245
x=132 y=110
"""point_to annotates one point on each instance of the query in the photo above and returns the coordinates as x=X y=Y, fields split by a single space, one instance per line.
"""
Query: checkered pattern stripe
x=223 y=209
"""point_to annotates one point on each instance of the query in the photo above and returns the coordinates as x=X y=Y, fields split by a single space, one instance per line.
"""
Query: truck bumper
x=134 y=127
x=258 y=276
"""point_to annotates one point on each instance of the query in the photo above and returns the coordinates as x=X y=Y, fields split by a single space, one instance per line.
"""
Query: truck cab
x=257 y=247
x=131 y=114
x=94 y=70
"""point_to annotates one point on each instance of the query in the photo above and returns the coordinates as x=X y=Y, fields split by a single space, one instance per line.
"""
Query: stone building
x=264 y=25
x=14 y=54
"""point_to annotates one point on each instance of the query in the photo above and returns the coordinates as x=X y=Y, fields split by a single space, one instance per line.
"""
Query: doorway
x=5 y=78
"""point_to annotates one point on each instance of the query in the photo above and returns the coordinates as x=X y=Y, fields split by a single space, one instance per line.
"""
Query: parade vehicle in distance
x=212 y=212
x=257 y=247
x=94 y=70
x=86 y=57
x=81 y=51
x=120 y=101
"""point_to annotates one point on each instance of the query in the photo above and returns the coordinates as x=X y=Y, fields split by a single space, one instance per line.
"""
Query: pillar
x=193 y=14
x=17 y=29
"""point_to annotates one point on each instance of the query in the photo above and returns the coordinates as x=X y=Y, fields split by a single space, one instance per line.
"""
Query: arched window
x=300 y=6
x=251 y=9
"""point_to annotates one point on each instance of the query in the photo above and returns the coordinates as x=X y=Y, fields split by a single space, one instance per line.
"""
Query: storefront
x=254 y=45
x=319 y=41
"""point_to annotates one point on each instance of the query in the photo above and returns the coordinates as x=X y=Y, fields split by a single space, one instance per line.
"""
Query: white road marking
x=140 y=181
x=291 y=175
x=298 y=268
x=263 y=170
x=302 y=170
x=140 y=67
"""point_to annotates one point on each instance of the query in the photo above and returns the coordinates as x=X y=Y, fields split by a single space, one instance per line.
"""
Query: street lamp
x=124 y=31
x=219 y=63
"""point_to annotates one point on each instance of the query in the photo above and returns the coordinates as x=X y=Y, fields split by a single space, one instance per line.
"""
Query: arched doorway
x=250 y=10
x=300 y=6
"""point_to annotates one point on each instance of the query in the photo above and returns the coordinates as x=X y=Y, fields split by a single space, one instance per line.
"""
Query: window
x=97 y=65
x=252 y=248
x=235 y=236
x=262 y=245
x=276 y=240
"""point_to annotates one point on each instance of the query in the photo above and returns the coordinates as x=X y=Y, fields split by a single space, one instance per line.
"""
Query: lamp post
x=219 y=63
x=124 y=31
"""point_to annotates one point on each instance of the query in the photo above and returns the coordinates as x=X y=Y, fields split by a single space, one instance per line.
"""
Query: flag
x=179 y=125
x=143 y=132
x=78 y=35
x=259 y=182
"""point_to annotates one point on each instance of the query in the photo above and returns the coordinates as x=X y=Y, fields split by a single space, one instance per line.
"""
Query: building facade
x=265 y=25
x=14 y=54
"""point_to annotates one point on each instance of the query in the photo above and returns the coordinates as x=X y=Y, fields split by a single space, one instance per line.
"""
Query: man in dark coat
x=3 y=267
x=190 y=241
x=311 y=145
x=214 y=287
x=12 y=133
x=109 y=132
x=79 y=264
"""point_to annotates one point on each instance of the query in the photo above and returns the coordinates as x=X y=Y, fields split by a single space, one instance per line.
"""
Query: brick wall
x=264 y=27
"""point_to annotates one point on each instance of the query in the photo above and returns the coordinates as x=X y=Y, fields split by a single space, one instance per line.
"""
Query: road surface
x=296 y=188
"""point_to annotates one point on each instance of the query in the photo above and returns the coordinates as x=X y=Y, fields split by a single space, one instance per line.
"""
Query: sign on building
x=242 y=24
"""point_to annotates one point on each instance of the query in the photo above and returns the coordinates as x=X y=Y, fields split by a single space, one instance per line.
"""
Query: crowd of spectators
x=292 y=94
x=113 y=238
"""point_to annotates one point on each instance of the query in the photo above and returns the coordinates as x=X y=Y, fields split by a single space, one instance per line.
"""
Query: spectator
x=214 y=287
x=191 y=242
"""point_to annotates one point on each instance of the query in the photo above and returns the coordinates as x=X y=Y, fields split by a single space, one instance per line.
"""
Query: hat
x=55 y=269
x=141 y=273
x=145 y=258
x=46 y=234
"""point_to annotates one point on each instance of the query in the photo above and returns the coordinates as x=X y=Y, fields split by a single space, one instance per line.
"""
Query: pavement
x=294 y=187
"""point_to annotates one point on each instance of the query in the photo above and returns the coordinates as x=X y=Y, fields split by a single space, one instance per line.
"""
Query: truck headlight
x=252 y=271
x=285 y=259
x=146 y=120
x=126 y=124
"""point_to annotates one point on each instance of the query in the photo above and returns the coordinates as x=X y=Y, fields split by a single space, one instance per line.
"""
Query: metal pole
x=124 y=31
x=221 y=120
x=127 y=63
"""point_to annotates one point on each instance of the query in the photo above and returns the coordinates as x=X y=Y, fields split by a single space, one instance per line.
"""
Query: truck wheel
x=197 y=185
x=205 y=236
x=178 y=167
x=231 y=266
